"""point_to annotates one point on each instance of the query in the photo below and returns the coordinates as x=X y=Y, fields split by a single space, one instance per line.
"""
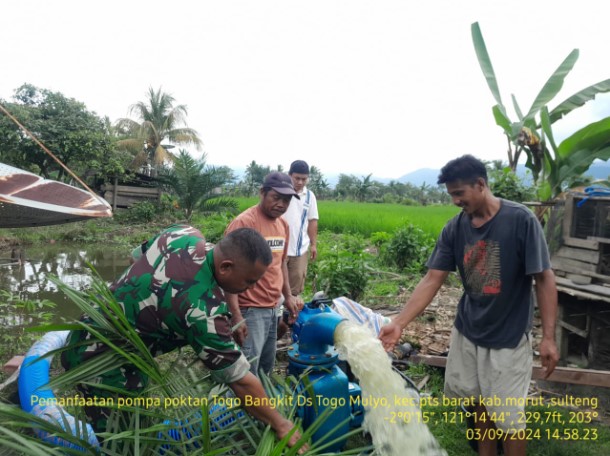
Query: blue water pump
x=328 y=386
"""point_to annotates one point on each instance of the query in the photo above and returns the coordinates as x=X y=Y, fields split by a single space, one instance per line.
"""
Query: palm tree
x=159 y=120
x=196 y=185
x=254 y=177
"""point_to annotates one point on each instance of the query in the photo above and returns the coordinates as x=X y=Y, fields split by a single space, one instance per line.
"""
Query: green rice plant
x=367 y=218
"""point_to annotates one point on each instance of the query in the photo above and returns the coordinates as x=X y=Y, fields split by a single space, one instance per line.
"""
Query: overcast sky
x=357 y=87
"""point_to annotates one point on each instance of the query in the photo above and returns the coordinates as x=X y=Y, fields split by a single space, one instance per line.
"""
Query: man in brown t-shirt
x=258 y=307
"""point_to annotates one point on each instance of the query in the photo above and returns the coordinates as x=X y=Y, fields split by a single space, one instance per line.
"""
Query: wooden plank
x=569 y=265
x=601 y=240
x=581 y=332
x=581 y=243
x=588 y=256
x=570 y=375
x=567 y=216
x=579 y=279
x=582 y=294
x=595 y=289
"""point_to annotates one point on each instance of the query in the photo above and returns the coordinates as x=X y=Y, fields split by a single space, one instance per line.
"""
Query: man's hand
x=549 y=356
x=291 y=305
x=240 y=329
x=313 y=252
x=390 y=335
x=283 y=428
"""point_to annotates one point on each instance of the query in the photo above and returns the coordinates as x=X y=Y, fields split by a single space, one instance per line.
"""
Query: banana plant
x=530 y=133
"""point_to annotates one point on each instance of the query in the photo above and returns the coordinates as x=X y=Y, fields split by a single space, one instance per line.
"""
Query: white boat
x=27 y=199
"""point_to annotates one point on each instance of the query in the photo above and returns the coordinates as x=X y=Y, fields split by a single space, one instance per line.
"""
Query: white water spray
x=393 y=415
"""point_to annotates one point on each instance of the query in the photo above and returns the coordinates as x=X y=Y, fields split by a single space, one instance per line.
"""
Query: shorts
x=497 y=378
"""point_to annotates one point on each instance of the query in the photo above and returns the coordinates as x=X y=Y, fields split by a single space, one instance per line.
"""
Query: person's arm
x=289 y=300
x=241 y=332
x=249 y=387
x=312 y=232
x=546 y=296
x=423 y=294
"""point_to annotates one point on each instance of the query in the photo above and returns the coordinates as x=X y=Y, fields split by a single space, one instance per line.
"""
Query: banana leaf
x=553 y=85
x=593 y=137
x=579 y=99
x=485 y=61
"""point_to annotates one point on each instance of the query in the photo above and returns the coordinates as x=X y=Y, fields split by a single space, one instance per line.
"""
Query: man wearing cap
x=255 y=312
x=302 y=218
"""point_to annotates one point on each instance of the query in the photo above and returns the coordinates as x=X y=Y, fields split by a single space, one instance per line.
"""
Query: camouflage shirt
x=171 y=297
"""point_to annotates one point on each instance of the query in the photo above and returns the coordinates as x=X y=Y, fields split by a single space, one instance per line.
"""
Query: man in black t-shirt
x=498 y=247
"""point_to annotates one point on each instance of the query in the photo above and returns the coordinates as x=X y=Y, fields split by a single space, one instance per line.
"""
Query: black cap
x=299 y=166
x=281 y=183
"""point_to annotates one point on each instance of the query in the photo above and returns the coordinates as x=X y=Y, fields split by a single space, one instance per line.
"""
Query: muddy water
x=25 y=273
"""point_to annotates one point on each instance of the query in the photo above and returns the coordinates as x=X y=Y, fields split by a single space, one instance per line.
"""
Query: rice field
x=368 y=218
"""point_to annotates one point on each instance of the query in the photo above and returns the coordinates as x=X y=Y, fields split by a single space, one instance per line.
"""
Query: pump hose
x=405 y=378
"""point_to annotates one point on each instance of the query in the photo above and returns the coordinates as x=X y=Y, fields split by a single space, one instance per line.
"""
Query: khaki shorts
x=297 y=271
x=497 y=378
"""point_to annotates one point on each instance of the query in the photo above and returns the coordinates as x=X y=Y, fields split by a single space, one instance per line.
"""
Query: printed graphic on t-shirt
x=482 y=267
x=276 y=243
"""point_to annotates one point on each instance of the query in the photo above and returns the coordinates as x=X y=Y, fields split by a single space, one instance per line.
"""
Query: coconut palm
x=158 y=120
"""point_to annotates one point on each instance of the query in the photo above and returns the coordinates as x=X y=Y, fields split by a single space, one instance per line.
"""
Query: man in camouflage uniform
x=173 y=295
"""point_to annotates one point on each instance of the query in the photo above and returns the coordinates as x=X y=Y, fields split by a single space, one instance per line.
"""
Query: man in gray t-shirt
x=498 y=248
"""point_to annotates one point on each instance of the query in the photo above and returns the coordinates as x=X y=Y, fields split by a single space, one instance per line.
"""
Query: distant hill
x=420 y=176
x=598 y=171
x=429 y=176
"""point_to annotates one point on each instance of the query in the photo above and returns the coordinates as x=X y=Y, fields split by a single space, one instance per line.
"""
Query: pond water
x=29 y=278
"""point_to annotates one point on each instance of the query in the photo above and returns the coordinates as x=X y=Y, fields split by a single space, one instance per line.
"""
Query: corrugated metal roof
x=30 y=200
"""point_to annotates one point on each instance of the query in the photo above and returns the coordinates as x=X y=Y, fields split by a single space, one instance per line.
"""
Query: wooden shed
x=578 y=233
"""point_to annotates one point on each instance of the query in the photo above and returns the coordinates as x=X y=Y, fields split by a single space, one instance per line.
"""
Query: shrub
x=342 y=273
x=408 y=249
x=379 y=238
x=506 y=184
x=213 y=226
x=143 y=211
x=341 y=267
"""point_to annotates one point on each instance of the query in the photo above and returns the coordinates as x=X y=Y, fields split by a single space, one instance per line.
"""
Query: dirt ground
x=430 y=334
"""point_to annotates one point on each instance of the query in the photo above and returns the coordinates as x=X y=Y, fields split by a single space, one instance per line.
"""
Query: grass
x=368 y=218
x=385 y=288
x=552 y=430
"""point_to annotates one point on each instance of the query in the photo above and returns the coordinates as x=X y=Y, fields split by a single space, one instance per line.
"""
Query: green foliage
x=213 y=226
x=506 y=184
x=341 y=269
x=160 y=119
x=16 y=316
x=253 y=179
x=552 y=167
x=195 y=185
x=143 y=428
x=366 y=218
x=78 y=137
x=141 y=212
x=408 y=249
x=379 y=238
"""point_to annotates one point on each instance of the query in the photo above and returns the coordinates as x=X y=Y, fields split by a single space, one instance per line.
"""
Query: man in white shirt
x=302 y=218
